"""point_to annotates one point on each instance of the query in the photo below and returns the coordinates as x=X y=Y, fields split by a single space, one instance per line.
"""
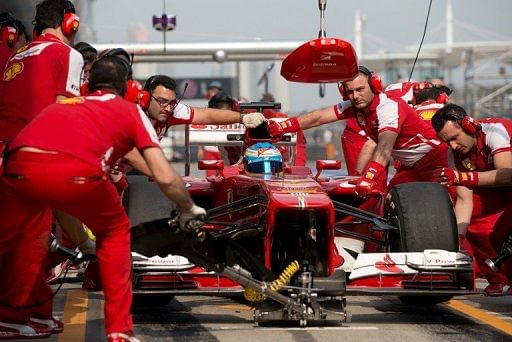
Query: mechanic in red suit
x=37 y=75
x=358 y=148
x=356 y=145
x=390 y=122
x=482 y=150
x=45 y=170
x=164 y=111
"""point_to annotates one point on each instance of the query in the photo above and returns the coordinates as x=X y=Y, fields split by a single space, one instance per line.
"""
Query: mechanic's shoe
x=497 y=289
x=15 y=331
x=127 y=336
x=58 y=271
x=53 y=325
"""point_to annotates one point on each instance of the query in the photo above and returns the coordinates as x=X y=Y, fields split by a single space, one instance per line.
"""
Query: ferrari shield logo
x=360 y=119
x=468 y=165
x=12 y=71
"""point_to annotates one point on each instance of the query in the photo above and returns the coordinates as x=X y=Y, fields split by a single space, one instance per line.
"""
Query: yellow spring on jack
x=283 y=279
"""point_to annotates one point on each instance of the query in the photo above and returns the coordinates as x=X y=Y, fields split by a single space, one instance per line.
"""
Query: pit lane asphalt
x=471 y=318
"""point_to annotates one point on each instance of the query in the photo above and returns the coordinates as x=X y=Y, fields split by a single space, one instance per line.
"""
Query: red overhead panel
x=321 y=60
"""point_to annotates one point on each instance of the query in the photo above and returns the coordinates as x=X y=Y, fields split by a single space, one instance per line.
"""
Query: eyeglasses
x=163 y=103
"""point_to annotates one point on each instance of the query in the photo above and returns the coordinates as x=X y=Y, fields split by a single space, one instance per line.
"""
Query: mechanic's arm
x=168 y=179
x=213 y=116
x=76 y=231
x=135 y=159
x=365 y=155
x=463 y=208
x=374 y=174
x=382 y=153
x=317 y=118
x=302 y=122
x=501 y=176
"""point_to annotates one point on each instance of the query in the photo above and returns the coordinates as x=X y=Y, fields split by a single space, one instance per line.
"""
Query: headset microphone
x=182 y=94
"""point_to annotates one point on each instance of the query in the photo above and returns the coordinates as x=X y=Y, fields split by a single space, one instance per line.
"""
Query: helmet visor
x=265 y=167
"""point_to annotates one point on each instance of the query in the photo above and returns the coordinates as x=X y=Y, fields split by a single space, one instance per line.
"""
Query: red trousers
x=421 y=171
x=488 y=230
x=31 y=185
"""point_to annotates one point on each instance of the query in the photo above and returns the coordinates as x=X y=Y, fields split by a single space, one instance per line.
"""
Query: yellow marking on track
x=481 y=315
x=235 y=307
x=75 y=316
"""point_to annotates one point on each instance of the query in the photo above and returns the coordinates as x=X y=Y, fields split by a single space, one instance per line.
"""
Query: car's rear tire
x=425 y=219
x=424 y=215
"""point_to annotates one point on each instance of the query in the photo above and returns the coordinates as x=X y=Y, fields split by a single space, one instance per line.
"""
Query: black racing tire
x=424 y=215
x=151 y=301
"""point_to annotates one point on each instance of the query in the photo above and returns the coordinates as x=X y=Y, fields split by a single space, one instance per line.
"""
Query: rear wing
x=230 y=135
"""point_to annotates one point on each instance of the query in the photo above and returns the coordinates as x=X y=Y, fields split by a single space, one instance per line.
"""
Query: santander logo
x=388 y=265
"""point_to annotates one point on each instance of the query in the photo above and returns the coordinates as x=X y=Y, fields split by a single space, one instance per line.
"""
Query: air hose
x=283 y=279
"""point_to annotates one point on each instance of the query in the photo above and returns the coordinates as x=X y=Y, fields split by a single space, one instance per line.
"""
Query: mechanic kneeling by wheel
x=482 y=176
x=61 y=160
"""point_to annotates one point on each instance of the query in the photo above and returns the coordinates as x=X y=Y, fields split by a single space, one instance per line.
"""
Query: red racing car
x=299 y=242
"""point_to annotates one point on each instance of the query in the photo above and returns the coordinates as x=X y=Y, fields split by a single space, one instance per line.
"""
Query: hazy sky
x=391 y=25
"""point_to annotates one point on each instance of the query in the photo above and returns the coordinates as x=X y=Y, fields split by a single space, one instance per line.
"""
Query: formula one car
x=289 y=238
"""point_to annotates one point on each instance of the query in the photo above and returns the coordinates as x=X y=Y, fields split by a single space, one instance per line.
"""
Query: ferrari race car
x=297 y=243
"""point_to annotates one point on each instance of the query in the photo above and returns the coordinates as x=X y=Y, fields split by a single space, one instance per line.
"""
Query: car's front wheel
x=424 y=215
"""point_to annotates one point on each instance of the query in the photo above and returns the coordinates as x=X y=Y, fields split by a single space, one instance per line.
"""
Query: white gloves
x=252 y=120
x=88 y=247
x=192 y=220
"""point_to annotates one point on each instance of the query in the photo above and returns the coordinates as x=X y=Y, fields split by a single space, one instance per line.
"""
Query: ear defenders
x=145 y=94
x=468 y=124
x=9 y=35
x=374 y=81
x=443 y=96
x=8 y=29
x=70 y=21
x=133 y=91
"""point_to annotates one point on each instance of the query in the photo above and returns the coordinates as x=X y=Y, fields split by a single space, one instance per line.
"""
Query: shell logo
x=427 y=114
x=12 y=71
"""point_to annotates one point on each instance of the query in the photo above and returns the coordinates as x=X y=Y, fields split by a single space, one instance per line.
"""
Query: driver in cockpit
x=263 y=158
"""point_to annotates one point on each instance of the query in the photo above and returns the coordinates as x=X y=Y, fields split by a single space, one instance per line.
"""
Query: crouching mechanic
x=390 y=122
x=483 y=158
x=69 y=171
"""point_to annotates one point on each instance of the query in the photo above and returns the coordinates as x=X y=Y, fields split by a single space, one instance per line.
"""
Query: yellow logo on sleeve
x=12 y=71
x=72 y=100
